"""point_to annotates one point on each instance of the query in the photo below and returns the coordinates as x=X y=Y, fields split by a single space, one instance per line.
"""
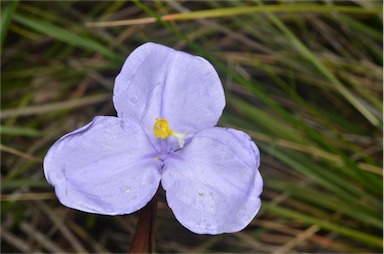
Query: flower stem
x=143 y=240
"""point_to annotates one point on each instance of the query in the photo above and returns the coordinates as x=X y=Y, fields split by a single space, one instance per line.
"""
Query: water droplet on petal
x=133 y=100
x=59 y=175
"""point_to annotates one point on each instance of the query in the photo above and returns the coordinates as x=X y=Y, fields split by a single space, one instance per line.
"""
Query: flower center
x=162 y=130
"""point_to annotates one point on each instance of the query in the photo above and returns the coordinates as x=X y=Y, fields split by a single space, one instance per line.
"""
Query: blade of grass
x=41 y=109
x=318 y=198
x=17 y=184
x=358 y=235
x=259 y=115
x=310 y=150
x=332 y=180
x=20 y=131
x=18 y=153
x=6 y=17
x=66 y=36
x=324 y=70
x=283 y=130
x=225 y=12
x=27 y=196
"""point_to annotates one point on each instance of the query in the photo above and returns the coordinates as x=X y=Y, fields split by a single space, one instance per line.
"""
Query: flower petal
x=138 y=87
x=104 y=167
x=213 y=184
x=193 y=98
x=157 y=81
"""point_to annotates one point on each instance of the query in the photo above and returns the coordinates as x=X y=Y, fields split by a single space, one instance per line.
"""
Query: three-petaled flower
x=168 y=103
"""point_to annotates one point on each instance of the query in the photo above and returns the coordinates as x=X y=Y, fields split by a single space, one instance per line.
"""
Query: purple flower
x=168 y=103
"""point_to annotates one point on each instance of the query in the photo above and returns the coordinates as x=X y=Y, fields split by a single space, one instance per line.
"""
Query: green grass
x=303 y=79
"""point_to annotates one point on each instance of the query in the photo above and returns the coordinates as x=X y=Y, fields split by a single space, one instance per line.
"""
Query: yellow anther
x=161 y=128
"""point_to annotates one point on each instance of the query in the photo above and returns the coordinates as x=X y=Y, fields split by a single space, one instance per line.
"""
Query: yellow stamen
x=161 y=128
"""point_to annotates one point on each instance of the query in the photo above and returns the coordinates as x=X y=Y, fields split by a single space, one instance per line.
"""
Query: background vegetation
x=303 y=78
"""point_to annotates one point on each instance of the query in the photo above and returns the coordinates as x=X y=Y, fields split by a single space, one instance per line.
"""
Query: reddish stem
x=143 y=240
